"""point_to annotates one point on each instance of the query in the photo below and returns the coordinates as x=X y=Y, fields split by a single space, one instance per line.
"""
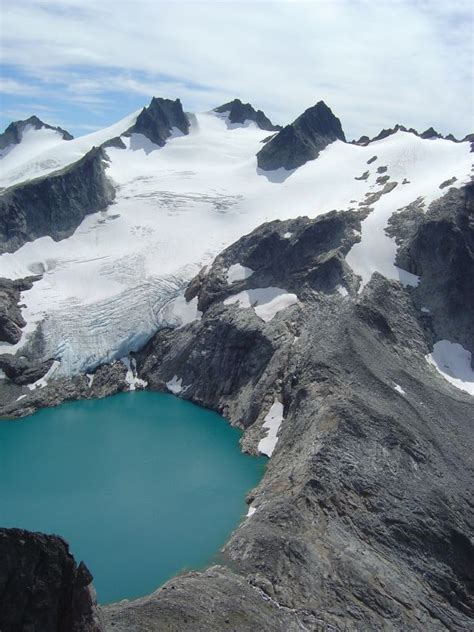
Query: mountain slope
x=204 y=183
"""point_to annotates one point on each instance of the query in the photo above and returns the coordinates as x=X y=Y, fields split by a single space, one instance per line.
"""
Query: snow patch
x=18 y=399
x=342 y=290
x=237 y=272
x=131 y=377
x=90 y=379
x=399 y=389
x=425 y=310
x=272 y=423
x=179 y=312
x=175 y=385
x=453 y=362
x=251 y=511
x=287 y=235
x=43 y=381
x=266 y=301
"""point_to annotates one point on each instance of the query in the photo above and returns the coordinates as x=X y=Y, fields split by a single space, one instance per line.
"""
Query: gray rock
x=239 y=112
x=42 y=588
x=11 y=320
x=301 y=141
x=440 y=249
x=55 y=204
x=363 y=519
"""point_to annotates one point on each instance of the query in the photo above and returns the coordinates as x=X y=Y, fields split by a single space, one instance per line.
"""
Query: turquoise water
x=142 y=485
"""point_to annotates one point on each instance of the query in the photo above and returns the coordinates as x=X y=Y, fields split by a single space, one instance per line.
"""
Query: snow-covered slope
x=108 y=287
x=42 y=151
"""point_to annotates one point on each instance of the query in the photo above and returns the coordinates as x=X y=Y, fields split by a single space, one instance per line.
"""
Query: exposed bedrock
x=11 y=320
x=363 y=520
x=55 y=204
x=14 y=132
x=240 y=113
x=438 y=245
x=158 y=120
x=41 y=587
x=302 y=140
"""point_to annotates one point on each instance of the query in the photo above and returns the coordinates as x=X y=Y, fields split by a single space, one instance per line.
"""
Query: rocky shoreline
x=363 y=520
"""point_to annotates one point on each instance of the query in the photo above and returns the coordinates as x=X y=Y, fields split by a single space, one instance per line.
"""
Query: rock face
x=439 y=247
x=11 y=320
x=363 y=519
x=301 y=141
x=239 y=113
x=157 y=121
x=41 y=587
x=54 y=204
x=13 y=133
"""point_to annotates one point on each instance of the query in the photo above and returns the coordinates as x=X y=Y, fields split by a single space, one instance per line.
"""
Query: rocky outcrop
x=363 y=519
x=41 y=587
x=55 y=204
x=438 y=245
x=239 y=113
x=14 y=132
x=158 y=120
x=11 y=320
x=301 y=141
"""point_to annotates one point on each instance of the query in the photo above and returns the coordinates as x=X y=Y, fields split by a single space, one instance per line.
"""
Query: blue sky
x=84 y=64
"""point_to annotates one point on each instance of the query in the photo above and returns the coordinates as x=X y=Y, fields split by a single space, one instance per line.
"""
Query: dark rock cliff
x=13 y=133
x=11 y=320
x=41 y=587
x=158 y=119
x=239 y=112
x=301 y=141
x=55 y=204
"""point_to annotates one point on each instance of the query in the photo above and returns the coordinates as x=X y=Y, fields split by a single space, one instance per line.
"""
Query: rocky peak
x=302 y=140
x=42 y=587
x=239 y=112
x=431 y=133
x=14 y=132
x=157 y=121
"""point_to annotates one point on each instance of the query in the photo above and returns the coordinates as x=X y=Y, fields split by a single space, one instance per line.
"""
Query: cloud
x=375 y=63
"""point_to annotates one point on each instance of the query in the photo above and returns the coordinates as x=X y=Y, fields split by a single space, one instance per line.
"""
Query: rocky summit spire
x=239 y=112
x=14 y=132
x=158 y=119
x=303 y=140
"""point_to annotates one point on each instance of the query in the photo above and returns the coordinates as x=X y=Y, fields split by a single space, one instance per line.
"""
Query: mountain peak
x=157 y=120
x=239 y=113
x=14 y=132
x=302 y=140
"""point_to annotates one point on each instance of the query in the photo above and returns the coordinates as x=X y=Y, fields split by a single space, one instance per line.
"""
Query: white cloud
x=375 y=63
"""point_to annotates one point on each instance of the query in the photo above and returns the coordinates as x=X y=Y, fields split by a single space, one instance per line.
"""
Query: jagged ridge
x=239 y=112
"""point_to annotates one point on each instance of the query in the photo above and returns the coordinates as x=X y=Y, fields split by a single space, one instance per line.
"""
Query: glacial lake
x=142 y=485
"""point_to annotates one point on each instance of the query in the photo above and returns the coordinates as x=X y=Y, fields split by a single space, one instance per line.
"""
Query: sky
x=84 y=64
